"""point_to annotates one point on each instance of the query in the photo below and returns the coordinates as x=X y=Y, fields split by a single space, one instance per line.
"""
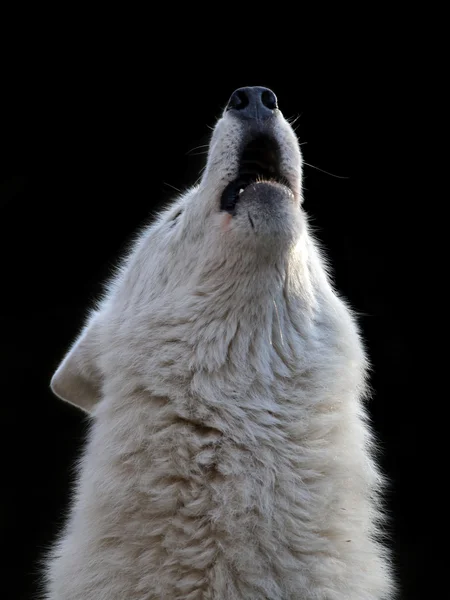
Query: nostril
x=239 y=100
x=269 y=99
x=253 y=103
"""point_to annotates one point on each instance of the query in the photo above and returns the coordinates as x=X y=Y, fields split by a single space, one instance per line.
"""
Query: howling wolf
x=229 y=455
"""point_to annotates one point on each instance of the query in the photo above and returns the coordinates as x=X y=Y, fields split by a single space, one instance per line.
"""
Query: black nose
x=253 y=103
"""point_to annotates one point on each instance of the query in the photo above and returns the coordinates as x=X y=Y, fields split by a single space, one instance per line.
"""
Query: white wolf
x=229 y=454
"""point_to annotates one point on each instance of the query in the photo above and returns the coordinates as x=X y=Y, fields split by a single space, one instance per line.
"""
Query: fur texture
x=229 y=454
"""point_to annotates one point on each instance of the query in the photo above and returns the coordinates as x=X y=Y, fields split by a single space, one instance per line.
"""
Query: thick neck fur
x=236 y=325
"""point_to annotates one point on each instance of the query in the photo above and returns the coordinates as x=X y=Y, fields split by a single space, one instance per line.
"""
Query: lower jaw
x=231 y=194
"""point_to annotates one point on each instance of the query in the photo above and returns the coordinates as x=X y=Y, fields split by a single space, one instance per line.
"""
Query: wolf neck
x=247 y=317
x=246 y=283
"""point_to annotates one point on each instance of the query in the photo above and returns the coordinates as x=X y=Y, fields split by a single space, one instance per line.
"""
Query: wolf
x=230 y=455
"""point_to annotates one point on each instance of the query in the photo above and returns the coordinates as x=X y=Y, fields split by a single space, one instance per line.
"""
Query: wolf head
x=226 y=245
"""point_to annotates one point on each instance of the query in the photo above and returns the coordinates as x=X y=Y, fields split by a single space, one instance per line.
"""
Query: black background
x=107 y=137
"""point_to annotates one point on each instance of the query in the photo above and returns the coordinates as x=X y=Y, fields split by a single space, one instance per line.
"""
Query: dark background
x=105 y=140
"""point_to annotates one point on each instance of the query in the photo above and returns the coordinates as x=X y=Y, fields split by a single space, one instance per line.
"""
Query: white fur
x=229 y=456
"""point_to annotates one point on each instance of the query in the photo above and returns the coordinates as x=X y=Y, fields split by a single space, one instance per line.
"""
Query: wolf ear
x=78 y=379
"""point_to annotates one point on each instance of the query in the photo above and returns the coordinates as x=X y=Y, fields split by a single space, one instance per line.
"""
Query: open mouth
x=259 y=161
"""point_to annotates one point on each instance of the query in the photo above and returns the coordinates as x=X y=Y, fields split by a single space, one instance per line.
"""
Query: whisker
x=197 y=148
x=172 y=186
x=327 y=172
x=198 y=153
x=201 y=174
x=293 y=120
x=217 y=117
